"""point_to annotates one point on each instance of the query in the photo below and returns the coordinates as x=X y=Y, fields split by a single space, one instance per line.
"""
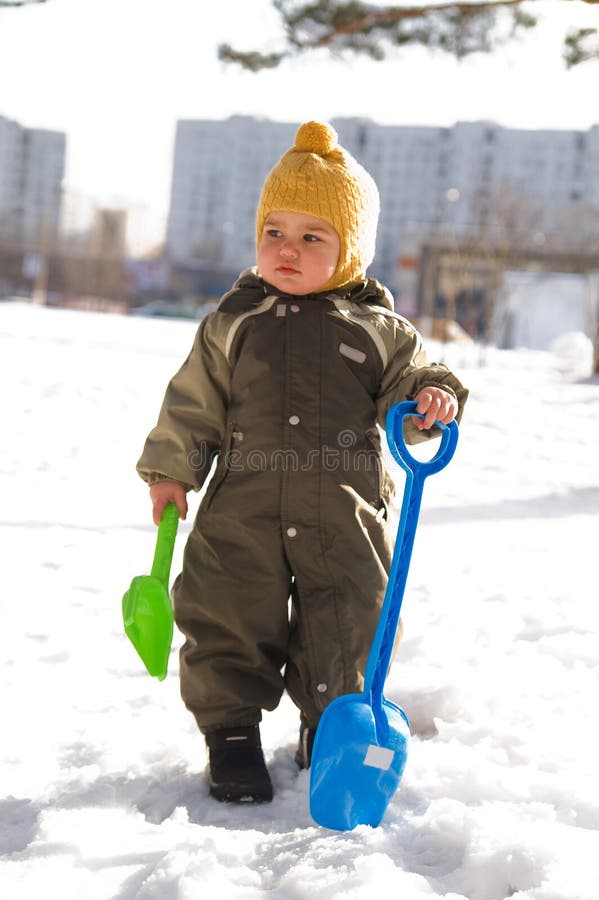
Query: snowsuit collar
x=250 y=289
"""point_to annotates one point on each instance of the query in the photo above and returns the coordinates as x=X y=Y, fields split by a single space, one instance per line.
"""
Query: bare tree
x=458 y=28
x=507 y=231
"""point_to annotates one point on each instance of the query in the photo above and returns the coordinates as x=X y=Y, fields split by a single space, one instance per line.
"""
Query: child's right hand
x=164 y=492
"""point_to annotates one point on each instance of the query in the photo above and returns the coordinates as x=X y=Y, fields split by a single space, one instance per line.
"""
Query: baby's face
x=297 y=253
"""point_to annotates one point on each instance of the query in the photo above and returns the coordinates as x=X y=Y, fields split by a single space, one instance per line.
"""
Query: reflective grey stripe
x=352 y=353
x=262 y=307
x=345 y=310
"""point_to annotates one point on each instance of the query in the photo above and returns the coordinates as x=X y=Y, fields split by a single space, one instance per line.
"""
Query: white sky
x=115 y=75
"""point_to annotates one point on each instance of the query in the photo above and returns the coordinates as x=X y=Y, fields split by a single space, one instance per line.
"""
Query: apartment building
x=458 y=180
x=218 y=171
x=32 y=164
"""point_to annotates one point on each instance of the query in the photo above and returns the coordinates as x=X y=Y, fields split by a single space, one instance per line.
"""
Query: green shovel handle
x=165 y=543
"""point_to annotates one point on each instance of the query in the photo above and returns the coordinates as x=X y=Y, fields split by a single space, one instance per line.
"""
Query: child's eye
x=310 y=238
x=274 y=232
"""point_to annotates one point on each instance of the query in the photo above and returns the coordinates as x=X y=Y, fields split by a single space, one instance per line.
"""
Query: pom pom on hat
x=316 y=137
x=318 y=177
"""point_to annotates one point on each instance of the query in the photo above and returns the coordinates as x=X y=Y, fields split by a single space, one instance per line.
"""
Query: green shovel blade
x=146 y=606
x=148 y=620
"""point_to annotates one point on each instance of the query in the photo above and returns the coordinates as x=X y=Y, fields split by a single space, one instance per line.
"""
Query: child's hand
x=164 y=492
x=436 y=405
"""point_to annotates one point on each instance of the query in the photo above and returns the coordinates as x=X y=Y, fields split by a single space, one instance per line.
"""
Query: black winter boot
x=303 y=754
x=236 y=770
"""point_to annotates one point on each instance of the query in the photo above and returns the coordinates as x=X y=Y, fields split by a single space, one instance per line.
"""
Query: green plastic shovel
x=147 y=611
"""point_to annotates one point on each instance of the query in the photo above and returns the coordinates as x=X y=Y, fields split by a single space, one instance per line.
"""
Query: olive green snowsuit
x=287 y=392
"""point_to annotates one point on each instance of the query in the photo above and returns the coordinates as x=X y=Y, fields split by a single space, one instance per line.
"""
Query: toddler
x=285 y=570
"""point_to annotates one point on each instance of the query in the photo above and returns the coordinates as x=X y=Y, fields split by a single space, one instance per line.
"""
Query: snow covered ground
x=101 y=788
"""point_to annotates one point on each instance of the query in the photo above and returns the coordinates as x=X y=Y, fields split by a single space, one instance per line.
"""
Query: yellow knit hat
x=320 y=178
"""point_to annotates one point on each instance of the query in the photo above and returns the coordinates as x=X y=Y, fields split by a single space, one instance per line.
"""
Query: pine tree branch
x=459 y=28
x=386 y=17
x=581 y=46
x=8 y=4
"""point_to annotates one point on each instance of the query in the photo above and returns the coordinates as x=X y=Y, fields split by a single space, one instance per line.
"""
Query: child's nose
x=289 y=249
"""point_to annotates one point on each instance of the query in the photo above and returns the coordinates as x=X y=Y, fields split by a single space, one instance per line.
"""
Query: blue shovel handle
x=381 y=650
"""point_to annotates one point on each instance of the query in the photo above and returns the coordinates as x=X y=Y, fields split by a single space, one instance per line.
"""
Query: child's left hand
x=436 y=405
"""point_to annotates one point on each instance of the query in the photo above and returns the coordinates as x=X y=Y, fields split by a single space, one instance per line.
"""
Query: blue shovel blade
x=353 y=774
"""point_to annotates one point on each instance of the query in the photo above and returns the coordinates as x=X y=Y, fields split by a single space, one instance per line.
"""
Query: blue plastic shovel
x=360 y=748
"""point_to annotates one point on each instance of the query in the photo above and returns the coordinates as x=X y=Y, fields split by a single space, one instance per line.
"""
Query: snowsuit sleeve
x=192 y=420
x=407 y=372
